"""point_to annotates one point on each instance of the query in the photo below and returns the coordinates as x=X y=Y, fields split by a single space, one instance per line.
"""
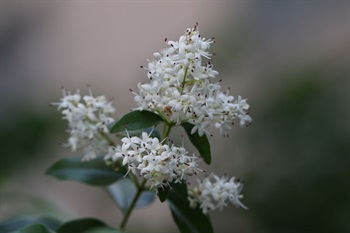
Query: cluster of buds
x=87 y=118
x=180 y=89
x=159 y=163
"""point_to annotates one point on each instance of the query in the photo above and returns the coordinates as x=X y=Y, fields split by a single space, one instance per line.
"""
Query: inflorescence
x=88 y=118
x=157 y=162
x=180 y=89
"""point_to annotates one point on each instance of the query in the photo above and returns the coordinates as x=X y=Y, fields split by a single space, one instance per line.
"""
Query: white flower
x=216 y=193
x=159 y=164
x=87 y=118
x=180 y=87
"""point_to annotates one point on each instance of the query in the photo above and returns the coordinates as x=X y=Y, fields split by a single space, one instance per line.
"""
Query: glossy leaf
x=136 y=120
x=36 y=228
x=93 y=172
x=187 y=219
x=21 y=222
x=163 y=193
x=125 y=190
x=180 y=190
x=80 y=225
x=200 y=142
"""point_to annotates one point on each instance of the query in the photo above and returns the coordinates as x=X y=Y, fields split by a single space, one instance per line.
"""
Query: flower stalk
x=141 y=187
x=132 y=205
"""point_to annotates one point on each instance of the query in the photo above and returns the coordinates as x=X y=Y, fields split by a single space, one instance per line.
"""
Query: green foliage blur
x=300 y=178
x=25 y=134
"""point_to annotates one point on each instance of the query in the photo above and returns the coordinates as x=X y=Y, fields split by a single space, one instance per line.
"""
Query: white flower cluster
x=180 y=90
x=87 y=121
x=215 y=193
x=158 y=163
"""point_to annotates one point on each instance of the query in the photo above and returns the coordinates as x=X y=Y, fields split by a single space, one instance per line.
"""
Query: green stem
x=166 y=130
x=140 y=188
x=184 y=81
x=105 y=136
x=132 y=205
x=139 y=191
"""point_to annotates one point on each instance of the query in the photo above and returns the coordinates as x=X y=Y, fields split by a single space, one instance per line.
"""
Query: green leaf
x=36 y=228
x=136 y=120
x=200 y=142
x=125 y=190
x=81 y=225
x=21 y=222
x=163 y=193
x=187 y=219
x=93 y=172
x=180 y=189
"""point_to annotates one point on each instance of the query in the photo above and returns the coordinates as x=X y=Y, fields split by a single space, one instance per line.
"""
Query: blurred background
x=289 y=58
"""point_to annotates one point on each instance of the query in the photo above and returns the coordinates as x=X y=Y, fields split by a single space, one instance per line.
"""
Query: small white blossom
x=216 y=193
x=87 y=118
x=158 y=163
x=180 y=89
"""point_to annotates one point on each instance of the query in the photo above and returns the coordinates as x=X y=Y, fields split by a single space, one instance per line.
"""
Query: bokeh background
x=289 y=58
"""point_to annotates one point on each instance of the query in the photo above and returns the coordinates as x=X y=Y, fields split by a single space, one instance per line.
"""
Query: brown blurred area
x=289 y=58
